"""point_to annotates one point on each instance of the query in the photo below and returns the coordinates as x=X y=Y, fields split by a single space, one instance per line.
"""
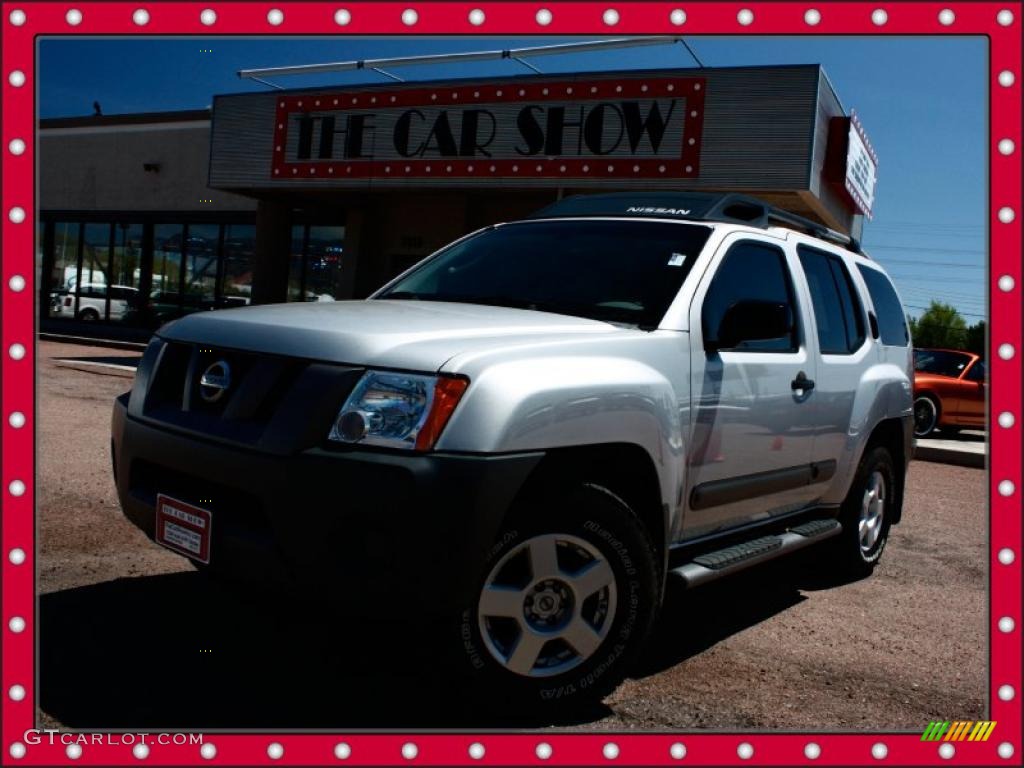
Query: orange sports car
x=949 y=390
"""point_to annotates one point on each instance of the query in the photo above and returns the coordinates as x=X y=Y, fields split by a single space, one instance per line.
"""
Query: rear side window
x=892 y=323
x=751 y=271
x=837 y=310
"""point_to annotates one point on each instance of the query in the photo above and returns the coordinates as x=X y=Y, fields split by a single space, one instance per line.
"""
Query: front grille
x=240 y=411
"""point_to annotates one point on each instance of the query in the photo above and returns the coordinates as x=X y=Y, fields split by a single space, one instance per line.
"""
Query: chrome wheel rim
x=872 y=512
x=547 y=605
x=924 y=416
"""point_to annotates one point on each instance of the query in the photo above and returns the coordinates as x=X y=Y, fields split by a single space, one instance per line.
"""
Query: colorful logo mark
x=959 y=730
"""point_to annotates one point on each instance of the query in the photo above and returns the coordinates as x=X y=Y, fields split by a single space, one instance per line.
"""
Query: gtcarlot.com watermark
x=52 y=736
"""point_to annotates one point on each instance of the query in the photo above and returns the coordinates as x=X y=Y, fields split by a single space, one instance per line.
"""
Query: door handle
x=802 y=382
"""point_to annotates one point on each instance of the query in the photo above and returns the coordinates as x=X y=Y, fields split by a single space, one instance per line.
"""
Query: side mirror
x=747 y=321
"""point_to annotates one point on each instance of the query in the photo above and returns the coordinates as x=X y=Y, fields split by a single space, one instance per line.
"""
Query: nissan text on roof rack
x=531 y=430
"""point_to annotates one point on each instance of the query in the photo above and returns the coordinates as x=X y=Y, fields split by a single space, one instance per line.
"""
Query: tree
x=976 y=338
x=941 y=326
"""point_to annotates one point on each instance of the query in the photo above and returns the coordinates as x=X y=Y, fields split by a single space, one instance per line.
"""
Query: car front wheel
x=567 y=599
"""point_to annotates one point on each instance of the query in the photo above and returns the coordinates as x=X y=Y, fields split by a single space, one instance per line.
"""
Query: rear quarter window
x=892 y=321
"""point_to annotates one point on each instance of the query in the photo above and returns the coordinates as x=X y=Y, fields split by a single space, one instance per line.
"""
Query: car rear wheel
x=89 y=315
x=565 y=603
x=926 y=415
x=866 y=515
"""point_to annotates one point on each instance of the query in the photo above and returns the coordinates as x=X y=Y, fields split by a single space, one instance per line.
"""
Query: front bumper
x=358 y=525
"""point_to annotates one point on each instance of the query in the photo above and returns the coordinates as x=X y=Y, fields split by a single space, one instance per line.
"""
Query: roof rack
x=693 y=206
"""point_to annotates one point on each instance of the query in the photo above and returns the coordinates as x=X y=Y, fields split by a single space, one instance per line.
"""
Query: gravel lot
x=131 y=637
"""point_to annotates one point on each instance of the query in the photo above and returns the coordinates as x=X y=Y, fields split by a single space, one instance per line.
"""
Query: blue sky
x=923 y=101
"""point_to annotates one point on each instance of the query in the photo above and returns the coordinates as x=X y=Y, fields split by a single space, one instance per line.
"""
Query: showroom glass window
x=91 y=283
x=202 y=243
x=64 y=272
x=317 y=275
x=239 y=250
x=125 y=270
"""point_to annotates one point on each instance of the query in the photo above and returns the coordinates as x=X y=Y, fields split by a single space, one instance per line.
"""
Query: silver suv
x=531 y=430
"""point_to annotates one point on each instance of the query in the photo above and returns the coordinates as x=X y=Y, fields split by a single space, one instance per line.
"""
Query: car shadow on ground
x=182 y=652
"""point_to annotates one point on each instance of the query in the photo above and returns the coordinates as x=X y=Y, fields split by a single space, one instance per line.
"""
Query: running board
x=725 y=562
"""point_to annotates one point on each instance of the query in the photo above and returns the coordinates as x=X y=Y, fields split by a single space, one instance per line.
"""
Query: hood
x=410 y=335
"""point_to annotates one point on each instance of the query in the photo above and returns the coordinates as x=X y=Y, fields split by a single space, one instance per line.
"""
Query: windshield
x=940 y=362
x=616 y=271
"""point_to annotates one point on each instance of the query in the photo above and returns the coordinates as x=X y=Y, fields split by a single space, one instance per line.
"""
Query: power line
x=968 y=314
x=922 y=249
x=950 y=264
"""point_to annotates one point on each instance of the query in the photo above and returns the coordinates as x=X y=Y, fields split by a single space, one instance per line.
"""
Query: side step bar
x=730 y=560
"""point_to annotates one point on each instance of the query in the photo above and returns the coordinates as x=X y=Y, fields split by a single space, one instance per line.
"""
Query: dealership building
x=319 y=195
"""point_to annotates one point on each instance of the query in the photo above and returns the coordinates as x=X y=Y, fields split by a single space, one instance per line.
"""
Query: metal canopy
x=516 y=54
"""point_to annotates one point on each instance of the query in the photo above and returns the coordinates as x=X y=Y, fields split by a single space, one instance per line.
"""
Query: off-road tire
x=846 y=554
x=607 y=523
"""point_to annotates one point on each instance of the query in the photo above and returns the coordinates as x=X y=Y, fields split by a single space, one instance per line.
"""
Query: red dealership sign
x=637 y=127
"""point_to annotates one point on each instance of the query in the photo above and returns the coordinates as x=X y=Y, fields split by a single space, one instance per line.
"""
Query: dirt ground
x=130 y=636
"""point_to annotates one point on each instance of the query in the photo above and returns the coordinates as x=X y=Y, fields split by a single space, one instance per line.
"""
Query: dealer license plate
x=183 y=528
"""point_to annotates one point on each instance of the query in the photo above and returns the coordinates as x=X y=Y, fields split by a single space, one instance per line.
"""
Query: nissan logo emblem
x=215 y=381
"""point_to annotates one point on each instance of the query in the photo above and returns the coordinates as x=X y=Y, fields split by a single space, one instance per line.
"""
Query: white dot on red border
x=141 y=17
x=1005 y=17
x=17 y=750
x=745 y=751
x=544 y=17
x=410 y=17
x=476 y=750
x=73 y=751
x=1006 y=625
x=342 y=751
x=16 y=78
x=878 y=18
x=543 y=750
x=275 y=751
x=1006 y=488
x=16 y=692
x=16 y=283
x=1006 y=420
x=1006 y=214
x=208 y=17
x=17 y=17
x=342 y=17
x=1006 y=146
x=610 y=17
x=1006 y=351
x=410 y=750
x=16 y=625
x=946 y=751
x=677 y=751
x=1006 y=283
x=208 y=751
x=275 y=16
x=812 y=17
x=16 y=351
x=610 y=751
x=946 y=17
x=812 y=751
x=879 y=751
x=16 y=214
x=1006 y=556
x=677 y=17
x=16 y=488
x=1006 y=78
x=1005 y=750
x=16 y=419
x=745 y=17
x=477 y=17
x=1006 y=693
x=140 y=751
x=16 y=556
x=73 y=17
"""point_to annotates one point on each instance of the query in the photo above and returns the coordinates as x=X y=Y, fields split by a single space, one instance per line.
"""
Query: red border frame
x=686 y=166
x=18 y=598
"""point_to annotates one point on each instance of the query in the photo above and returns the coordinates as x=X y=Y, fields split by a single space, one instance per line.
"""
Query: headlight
x=398 y=410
